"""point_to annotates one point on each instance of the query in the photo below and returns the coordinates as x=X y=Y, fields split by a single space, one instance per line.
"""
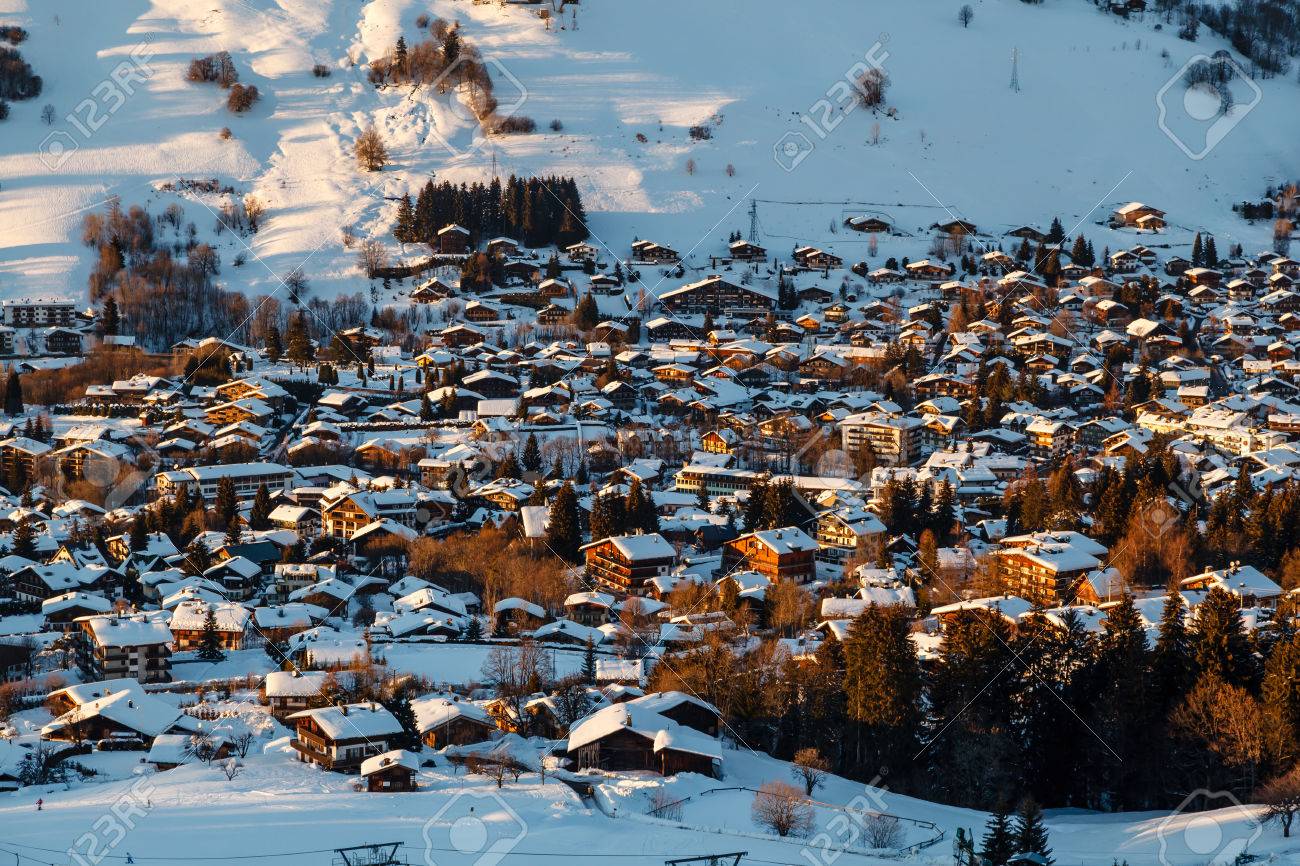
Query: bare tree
x=242 y=742
x=872 y=86
x=372 y=256
x=47 y=114
x=295 y=282
x=965 y=14
x=780 y=807
x=884 y=831
x=1281 y=799
x=230 y=768
x=370 y=151
x=253 y=210
x=810 y=768
x=201 y=747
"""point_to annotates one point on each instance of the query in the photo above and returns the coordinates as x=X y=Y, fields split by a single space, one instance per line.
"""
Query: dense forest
x=536 y=211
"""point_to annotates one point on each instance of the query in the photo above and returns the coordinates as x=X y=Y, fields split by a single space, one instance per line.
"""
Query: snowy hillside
x=1080 y=135
x=273 y=810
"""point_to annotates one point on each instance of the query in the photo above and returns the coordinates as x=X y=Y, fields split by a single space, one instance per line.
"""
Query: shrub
x=216 y=68
x=4 y=109
x=515 y=125
x=781 y=808
x=700 y=133
x=556 y=125
x=225 y=133
x=242 y=98
x=422 y=22
x=17 y=80
x=320 y=70
x=13 y=34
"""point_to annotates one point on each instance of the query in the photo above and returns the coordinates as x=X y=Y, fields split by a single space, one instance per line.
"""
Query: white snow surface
x=1079 y=138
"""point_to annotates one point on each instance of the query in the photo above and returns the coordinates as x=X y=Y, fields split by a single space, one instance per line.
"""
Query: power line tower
x=381 y=854
x=1015 y=70
x=753 y=220
x=709 y=859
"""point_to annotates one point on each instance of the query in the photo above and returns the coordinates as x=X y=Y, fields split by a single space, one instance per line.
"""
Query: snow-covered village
x=476 y=432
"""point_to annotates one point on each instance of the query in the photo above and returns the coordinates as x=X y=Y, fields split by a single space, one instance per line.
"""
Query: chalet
x=714 y=294
x=63 y=341
x=434 y=290
x=787 y=553
x=581 y=252
x=126 y=646
x=815 y=259
x=515 y=615
x=649 y=251
x=289 y=692
x=125 y=714
x=956 y=228
x=340 y=738
x=188 y=625
x=390 y=772
x=744 y=251
x=451 y=721
x=1047 y=568
x=632 y=736
x=627 y=563
x=204 y=480
x=868 y=224
x=1134 y=212
x=502 y=247
x=453 y=239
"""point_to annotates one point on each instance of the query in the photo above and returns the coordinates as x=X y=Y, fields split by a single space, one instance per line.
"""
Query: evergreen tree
x=209 y=641
x=1056 y=233
x=13 y=394
x=198 y=558
x=301 y=350
x=563 y=535
x=24 y=539
x=259 y=518
x=882 y=688
x=474 y=630
x=998 y=845
x=1031 y=832
x=532 y=455
x=400 y=706
x=139 y=539
x=640 y=509
x=589 y=663
x=1280 y=694
x=226 y=505
x=586 y=315
x=426 y=408
x=234 y=533
x=1222 y=647
x=1198 y=256
x=111 y=318
x=404 y=229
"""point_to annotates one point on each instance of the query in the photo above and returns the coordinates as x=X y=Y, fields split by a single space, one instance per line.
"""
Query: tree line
x=535 y=211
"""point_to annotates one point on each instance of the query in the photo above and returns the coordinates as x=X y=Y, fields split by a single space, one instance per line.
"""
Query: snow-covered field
x=289 y=813
x=1080 y=136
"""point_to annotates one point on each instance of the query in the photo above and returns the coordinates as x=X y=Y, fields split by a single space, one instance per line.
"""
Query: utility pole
x=753 y=220
x=1015 y=70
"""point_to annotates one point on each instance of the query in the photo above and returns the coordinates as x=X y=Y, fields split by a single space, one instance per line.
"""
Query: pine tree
x=589 y=663
x=1211 y=258
x=404 y=229
x=882 y=687
x=111 y=318
x=301 y=351
x=226 y=505
x=998 y=845
x=1222 y=647
x=1031 y=833
x=474 y=630
x=563 y=536
x=586 y=315
x=13 y=394
x=139 y=539
x=532 y=455
x=234 y=533
x=24 y=539
x=640 y=509
x=198 y=558
x=209 y=641
x=400 y=706
x=1280 y=693
x=259 y=518
x=1198 y=256
x=274 y=347
x=1056 y=233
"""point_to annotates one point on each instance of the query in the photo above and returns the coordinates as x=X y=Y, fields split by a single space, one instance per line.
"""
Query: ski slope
x=1079 y=137
x=280 y=811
